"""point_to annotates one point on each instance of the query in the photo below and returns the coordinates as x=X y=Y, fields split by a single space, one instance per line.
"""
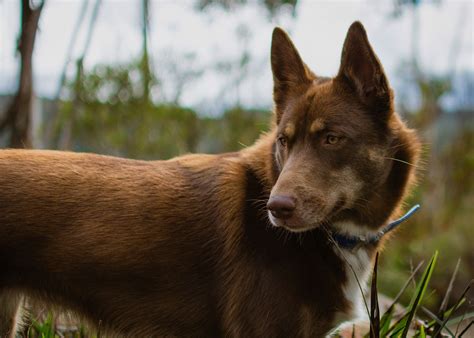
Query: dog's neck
x=349 y=236
x=257 y=158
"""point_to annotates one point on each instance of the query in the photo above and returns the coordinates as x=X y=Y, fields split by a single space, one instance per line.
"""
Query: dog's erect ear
x=363 y=70
x=290 y=75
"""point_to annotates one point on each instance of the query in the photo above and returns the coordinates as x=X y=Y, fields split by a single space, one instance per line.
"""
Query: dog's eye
x=332 y=139
x=282 y=140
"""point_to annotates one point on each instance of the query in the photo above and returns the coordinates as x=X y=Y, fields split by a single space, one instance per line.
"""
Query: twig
x=444 y=303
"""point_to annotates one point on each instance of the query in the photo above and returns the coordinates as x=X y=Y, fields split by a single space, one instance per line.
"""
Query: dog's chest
x=289 y=287
x=284 y=299
x=358 y=269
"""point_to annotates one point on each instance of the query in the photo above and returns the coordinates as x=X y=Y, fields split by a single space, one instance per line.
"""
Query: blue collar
x=350 y=242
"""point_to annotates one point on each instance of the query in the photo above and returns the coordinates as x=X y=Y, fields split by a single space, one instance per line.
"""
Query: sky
x=183 y=39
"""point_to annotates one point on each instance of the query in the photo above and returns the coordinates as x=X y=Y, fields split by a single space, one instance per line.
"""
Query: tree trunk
x=18 y=115
x=145 y=63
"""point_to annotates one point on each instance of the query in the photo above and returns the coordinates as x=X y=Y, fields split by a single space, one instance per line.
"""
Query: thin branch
x=92 y=23
x=70 y=49
x=67 y=130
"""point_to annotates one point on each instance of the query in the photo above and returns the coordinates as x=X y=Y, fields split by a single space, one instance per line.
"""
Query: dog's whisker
x=404 y=144
x=401 y=161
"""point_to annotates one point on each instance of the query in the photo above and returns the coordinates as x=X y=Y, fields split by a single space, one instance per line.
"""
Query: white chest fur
x=358 y=270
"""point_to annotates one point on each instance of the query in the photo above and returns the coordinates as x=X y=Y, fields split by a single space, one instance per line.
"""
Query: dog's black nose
x=281 y=207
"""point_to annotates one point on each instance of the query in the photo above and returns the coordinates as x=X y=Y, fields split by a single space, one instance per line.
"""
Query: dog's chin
x=294 y=224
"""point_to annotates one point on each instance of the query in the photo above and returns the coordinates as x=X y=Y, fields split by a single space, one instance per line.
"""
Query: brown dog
x=186 y=247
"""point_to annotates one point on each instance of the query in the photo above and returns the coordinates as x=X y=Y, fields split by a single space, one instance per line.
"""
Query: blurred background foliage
x=127 y=109
x=109 y=115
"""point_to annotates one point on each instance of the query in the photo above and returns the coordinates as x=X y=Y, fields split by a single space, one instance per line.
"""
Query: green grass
x=47 y=329
x=410 y=323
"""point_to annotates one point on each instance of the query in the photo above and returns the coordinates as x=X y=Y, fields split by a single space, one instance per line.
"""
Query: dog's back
x=116 y=239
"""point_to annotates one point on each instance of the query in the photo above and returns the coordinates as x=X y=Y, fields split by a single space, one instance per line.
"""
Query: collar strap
x=350 y=242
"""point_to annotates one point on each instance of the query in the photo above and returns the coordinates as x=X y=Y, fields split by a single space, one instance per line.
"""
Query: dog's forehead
x=324 y=101
x=312 y=110
x=323 y=106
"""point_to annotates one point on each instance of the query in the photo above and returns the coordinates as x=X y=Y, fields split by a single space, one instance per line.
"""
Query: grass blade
x=435 y=319
x=388 y=315
x=374 y=304
x=385 y=322
x=397 y=327
x=466 y=328
x=442 y=309
x=422 y=333
x=420 y=293
x=456 y=306
x=404 y=325
x=444 y=303
x=459 y=319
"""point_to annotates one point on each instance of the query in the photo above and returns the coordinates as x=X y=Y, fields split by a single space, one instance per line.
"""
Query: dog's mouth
x=291 y=224
x=298 y=223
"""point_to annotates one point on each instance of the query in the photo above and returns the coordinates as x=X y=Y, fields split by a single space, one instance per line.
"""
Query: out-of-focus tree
x=243 y=126
x=235 y=129
x=114 y=118
x=114 y=109
x=18 y=115
x=48 y=128
x=145 y=62
x=178 y=77
x=238 y=69
x=431 y=88
x=65 y=140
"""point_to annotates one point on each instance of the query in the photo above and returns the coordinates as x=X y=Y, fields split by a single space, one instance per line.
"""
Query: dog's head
x=342 y=154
